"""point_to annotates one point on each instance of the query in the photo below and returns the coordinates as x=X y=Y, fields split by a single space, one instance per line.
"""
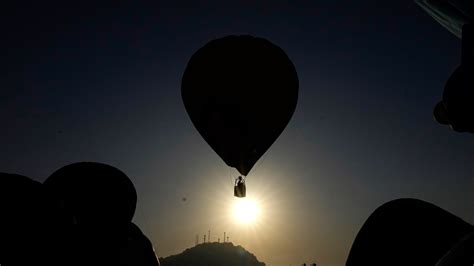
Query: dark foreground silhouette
x=456 y=108
x=93 y=193
x=81 y=215
x=213 y=254
x=23 y=218
x=413 y=232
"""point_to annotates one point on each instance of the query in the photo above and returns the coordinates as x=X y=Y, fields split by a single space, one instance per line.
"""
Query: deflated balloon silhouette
x=240 y=93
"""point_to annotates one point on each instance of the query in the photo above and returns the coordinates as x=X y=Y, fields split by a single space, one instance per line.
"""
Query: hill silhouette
x=213 y=254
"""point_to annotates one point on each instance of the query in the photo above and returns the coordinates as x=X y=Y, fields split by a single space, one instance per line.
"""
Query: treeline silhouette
x=81 y=215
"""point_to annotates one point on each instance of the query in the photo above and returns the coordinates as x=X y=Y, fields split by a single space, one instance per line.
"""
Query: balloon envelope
x=408 y=232
x=94 y=193
x=240 y=93
x=24 y=216
x=125 y=245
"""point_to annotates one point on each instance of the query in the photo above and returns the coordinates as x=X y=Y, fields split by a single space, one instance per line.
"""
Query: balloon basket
x=240 y=191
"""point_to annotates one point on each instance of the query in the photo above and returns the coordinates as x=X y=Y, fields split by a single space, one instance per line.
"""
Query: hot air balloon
x=413 y=232
x=93 y=193
x=96 y=203
x=125 y=245
x=240 y=93
x=26 y=222
x=457 y=106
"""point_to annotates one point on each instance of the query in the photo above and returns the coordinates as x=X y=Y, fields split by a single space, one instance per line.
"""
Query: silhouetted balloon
x=462 y=253
x=123 y=245
x=410 y=232
x=137 y=250
x=457 y=107
x=93 y=193
x=23 y=219
x=240 y=93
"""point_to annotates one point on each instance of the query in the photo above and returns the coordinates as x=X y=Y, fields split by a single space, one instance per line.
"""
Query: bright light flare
x=246 y=211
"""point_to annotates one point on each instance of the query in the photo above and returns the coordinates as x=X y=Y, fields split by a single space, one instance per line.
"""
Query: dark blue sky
x=103 y=84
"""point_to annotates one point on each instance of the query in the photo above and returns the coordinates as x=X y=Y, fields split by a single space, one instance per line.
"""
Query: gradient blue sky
x=103 y=84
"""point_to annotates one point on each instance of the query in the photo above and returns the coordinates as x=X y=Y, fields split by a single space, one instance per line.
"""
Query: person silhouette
x=239 y=187
x=239 y=180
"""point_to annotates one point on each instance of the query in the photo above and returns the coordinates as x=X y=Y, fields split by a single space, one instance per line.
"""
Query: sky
x=102 y=84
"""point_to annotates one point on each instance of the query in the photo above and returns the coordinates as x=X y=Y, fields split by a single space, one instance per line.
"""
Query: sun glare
x=246 y=211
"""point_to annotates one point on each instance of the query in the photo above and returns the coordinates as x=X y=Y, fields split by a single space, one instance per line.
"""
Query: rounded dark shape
x=23 y=217
x=408 y=232
x=122 y=245
x=240 y=93
x=458 y=98
x=138 y=250
x=93 y=193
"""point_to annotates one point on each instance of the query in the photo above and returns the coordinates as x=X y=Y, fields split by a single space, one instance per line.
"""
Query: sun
x=246 y=211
